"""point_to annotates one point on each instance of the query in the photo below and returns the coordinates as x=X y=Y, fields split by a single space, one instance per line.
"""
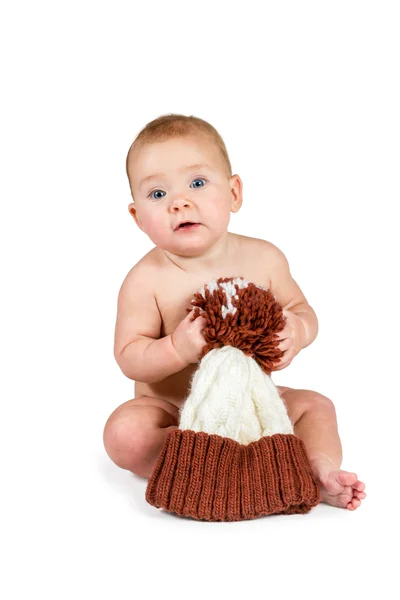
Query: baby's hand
x=292 y=339
x=188 y=339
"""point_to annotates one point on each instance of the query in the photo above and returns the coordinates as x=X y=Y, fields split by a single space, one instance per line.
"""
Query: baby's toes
x=360 y=495
x=346 y=478
x=353 y=504
x=359 y=485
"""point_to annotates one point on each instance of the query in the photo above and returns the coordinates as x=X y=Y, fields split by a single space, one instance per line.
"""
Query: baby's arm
x=139 y=352
x=289 y=294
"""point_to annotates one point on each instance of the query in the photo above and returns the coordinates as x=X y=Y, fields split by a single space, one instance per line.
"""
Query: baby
x=183 y=193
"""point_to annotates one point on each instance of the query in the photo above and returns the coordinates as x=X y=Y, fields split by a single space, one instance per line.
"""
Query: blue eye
x=155 y=191
x=199 y=179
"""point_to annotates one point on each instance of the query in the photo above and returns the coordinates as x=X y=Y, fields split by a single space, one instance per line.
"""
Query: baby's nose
x=180 y=202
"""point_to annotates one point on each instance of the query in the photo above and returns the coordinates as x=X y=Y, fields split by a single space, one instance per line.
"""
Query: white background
x=306 y=96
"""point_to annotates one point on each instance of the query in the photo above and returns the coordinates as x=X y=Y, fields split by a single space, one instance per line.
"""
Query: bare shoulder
x=144 y=271
x=271 y=260
x=275 y=259
x=282 y=284
x=275 y=256
x=263 y=248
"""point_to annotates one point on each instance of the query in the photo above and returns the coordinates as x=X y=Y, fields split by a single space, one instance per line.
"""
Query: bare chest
x=174 y=292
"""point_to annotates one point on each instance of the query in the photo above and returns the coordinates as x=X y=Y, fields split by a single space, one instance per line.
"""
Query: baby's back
x=174 y=289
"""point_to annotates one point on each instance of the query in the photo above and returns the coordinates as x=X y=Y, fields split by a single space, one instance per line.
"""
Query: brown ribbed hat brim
x=213 y=478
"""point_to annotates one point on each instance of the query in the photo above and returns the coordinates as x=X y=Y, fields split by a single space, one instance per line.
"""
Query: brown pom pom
x=253 y=328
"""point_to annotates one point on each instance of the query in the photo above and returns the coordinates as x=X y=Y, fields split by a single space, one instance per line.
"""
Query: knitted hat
x=234 y=455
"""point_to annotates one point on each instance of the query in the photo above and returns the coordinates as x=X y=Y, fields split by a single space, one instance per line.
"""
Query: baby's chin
x=190 y=247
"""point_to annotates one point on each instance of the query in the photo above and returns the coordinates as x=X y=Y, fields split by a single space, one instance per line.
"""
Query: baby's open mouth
x=188 y=225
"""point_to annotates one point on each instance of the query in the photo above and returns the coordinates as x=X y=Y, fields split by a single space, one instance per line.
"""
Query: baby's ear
x=132 y=211
x=237 y=193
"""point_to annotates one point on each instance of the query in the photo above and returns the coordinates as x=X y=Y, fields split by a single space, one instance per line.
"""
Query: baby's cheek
x=222 y=219
x=153 y=226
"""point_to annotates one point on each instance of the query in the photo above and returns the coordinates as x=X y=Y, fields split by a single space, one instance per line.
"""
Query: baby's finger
x=283 y=362
x=191 y=315
x=286 y=344
x=200 y=321
x=200 y=324
x=279 y=366
x=285 y=332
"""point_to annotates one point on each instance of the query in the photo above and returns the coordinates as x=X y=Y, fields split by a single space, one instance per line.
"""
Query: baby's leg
x=314 y=420
x=135 y=433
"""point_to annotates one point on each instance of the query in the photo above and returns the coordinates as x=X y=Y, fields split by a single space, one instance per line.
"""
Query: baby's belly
x=173 y=389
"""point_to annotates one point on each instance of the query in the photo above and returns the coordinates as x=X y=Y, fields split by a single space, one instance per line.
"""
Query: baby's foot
x=342 y=489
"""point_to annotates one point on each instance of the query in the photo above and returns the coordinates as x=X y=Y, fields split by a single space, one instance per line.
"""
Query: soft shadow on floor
x=133 y=488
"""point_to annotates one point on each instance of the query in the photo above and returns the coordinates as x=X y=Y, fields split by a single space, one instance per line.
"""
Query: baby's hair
x=175 y=125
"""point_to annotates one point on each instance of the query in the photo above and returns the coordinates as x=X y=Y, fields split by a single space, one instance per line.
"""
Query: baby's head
x=179 y=170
